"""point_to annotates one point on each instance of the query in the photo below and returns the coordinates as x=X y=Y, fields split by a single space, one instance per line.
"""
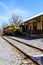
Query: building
x=34 y=24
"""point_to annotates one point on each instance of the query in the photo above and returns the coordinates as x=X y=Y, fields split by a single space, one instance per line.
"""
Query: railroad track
x=26 y=43
x=13 y=43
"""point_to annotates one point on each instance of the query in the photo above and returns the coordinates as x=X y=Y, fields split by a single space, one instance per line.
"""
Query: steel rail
x=27 y=44
x=28 y=56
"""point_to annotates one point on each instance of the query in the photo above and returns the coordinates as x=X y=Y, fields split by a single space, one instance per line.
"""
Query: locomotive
x=12 y=30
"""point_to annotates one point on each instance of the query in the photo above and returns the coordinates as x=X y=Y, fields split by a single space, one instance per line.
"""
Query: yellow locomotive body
x=12 y=30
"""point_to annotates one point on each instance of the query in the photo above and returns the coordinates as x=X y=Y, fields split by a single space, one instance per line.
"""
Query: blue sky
x=24 y=8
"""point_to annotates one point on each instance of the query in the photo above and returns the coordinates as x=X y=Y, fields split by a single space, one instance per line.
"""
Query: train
x=12 y=30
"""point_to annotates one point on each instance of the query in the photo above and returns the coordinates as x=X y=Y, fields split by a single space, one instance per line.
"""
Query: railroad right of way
x=25 y=49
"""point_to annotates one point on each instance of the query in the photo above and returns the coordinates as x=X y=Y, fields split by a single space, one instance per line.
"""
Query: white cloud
x=3 y=18
x=19 y=11
x=4 y=5
x=23 y=13
x=9 y=11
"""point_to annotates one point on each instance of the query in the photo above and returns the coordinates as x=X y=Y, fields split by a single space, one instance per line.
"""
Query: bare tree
x=15 y=19
x=4 y=25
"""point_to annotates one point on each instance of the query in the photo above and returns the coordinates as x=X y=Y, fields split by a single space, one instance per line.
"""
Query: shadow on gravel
x=24 y=37
x=39 y=59
x=27 y=37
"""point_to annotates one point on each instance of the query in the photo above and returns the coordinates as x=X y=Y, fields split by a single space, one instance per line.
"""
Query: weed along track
x=26 y=51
